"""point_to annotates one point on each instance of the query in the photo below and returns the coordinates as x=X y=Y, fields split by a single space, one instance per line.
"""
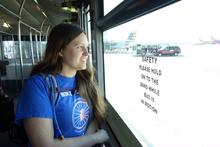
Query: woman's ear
x=61 y=53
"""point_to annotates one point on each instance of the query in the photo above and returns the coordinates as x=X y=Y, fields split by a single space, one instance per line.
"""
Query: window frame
x=101 y=23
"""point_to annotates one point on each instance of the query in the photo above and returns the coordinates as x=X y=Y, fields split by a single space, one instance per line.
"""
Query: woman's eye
x=82 y=47
x=78 y=47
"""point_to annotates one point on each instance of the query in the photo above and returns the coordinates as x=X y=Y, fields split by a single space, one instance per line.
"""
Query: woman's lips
x=84 y=60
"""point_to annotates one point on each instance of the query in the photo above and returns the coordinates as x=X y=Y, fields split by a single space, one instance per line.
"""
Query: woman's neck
x=68 y=71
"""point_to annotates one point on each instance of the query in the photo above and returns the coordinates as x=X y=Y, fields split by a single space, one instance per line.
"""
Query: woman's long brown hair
x=60 y=36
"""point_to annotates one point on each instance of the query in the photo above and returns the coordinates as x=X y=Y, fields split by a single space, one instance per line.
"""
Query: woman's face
x=75 y=54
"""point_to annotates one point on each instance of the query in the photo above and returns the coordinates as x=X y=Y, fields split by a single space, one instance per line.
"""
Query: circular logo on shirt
x=80 y=114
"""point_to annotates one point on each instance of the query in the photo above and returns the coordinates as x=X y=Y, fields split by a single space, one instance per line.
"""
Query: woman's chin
x=83 y=68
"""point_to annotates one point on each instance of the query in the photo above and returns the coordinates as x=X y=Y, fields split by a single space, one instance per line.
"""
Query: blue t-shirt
x=72 y=112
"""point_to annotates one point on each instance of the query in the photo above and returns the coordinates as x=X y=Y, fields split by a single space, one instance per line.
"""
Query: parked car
x=168 y=50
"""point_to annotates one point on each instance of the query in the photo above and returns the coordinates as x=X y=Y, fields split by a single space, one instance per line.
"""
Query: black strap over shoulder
x=52 y=85
x=53 y=95
x=53 y=92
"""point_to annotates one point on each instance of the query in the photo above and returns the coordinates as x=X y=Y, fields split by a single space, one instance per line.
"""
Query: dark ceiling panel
x=54 y=12
x=32 y=13
x=12 y=5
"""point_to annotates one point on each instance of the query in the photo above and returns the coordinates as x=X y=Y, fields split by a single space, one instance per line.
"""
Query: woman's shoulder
x=36 y=80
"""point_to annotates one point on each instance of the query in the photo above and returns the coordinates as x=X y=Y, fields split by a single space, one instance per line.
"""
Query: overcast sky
x=184 y=21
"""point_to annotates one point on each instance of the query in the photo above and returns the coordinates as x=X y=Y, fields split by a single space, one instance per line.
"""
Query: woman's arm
x=41 y=134
x=93 y=127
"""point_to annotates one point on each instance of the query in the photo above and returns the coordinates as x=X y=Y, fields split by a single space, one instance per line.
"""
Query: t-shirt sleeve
x=34 y=100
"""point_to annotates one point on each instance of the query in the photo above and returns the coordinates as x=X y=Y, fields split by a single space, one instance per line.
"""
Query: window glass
x=8 y=49
x=162 y=75
x=109 y=5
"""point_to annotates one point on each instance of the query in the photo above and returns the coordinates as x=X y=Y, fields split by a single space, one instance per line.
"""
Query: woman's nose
x=85 y=51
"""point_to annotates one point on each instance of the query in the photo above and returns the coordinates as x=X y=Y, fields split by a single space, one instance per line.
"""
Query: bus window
x=162 y=75
x=109 y=5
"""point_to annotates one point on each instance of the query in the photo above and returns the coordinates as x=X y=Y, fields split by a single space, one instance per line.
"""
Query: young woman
x=77 y=115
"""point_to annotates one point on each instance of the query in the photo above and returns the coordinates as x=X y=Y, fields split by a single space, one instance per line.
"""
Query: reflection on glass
x=162 y=75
